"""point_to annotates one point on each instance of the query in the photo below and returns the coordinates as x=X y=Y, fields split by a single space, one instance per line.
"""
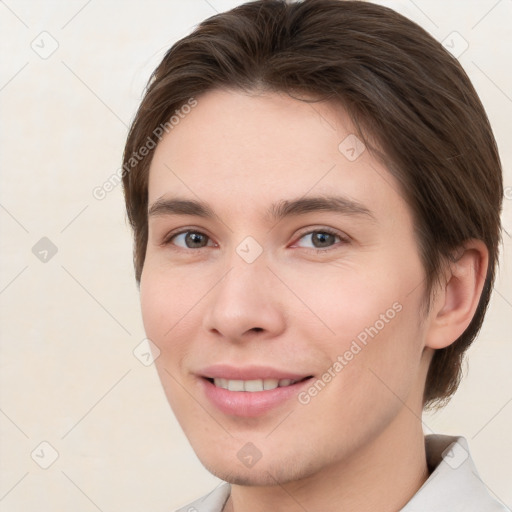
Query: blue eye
x=189 y=240
x=321 y=239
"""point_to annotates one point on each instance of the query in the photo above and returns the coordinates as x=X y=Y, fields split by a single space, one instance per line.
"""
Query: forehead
x=247 y=151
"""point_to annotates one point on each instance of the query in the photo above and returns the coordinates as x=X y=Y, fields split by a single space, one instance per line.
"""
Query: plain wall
x=69 y=325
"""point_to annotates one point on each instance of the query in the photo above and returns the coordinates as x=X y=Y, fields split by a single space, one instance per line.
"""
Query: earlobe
x=455 y=303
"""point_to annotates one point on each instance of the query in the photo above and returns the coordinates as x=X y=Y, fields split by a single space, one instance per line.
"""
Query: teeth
x=235 y=385
x=252 y=385
x=270 y=384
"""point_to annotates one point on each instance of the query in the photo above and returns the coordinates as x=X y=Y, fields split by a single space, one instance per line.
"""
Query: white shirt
x=453 y=486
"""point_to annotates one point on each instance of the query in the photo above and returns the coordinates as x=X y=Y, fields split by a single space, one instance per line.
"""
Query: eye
x=189 y=240
x=320 y=239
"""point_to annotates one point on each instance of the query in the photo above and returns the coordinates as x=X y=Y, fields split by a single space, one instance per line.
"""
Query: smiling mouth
x=254 y=385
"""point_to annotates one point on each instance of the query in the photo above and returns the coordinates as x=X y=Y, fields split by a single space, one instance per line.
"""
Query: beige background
x=69 y=325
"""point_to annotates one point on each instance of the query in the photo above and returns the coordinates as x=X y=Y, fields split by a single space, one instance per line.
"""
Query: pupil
x=195 y=239
x=323 y=239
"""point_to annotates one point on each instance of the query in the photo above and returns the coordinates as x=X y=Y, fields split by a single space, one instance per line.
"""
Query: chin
x=263 y=473
x=247 y=479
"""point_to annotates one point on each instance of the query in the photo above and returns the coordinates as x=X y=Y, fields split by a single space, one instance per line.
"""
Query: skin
x=358 y=444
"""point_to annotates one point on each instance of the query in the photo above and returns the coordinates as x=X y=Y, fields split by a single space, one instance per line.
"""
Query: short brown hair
x=405 y=94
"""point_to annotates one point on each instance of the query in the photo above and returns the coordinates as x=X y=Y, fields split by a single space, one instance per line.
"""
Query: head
x=265 y=111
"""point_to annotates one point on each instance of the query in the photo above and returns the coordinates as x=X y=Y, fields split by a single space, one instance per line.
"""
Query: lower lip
x=250 y=404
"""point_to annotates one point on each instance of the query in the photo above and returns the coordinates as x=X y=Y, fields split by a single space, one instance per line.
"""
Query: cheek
x=164 y=314
x=370 y=317
x=167 y=301
x=347 y=300
x=373 y=372
x=154 y=303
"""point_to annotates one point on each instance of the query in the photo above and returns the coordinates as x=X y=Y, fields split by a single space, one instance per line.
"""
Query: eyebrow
x=276 y=212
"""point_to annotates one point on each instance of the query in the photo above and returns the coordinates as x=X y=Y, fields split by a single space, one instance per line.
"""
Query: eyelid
x=322 y=229
x=305 y=231
x=186 y=229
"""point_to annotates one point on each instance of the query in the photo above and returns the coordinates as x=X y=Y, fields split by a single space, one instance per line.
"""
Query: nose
x=245 y=304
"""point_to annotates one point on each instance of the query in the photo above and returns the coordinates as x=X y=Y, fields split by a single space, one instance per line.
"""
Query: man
x=315 y=194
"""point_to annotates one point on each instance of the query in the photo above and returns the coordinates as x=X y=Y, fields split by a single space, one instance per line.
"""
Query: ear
x=455 y=302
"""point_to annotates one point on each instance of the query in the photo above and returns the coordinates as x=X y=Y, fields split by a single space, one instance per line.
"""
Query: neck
x=384 y=475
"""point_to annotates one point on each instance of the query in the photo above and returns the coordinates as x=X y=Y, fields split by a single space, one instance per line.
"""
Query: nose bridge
x=247 y=263
x=243 y=286
x=244 y=299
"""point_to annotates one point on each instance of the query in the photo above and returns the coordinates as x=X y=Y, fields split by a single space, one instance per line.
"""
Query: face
x=297 y=269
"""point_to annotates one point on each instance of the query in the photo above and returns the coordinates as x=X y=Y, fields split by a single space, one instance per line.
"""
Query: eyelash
x=343 y=239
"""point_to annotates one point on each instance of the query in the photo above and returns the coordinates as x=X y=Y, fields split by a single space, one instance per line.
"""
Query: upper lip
x=253 y=372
